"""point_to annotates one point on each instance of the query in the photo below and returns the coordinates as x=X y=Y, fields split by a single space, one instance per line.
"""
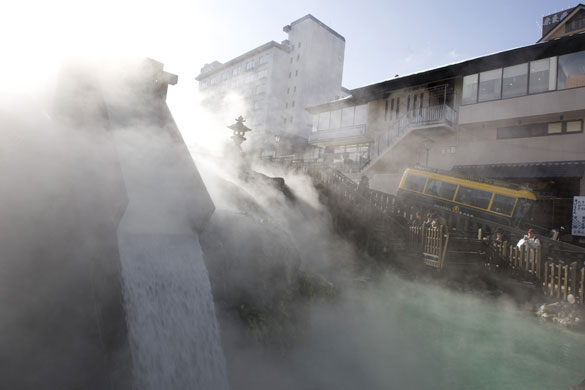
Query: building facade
x=516 y=115
x=277 y=81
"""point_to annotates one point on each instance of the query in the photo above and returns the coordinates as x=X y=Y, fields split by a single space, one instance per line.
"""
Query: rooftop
x=309 y=16
x=219 y=66
x=555 y=47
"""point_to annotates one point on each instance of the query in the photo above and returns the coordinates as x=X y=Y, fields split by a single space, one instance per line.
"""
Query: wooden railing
x=555 y=266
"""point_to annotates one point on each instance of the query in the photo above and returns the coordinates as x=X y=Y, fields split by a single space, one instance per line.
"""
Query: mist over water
x=408 y=335
x=387 y=332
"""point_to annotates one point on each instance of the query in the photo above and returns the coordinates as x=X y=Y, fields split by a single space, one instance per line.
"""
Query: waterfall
x=173 y=332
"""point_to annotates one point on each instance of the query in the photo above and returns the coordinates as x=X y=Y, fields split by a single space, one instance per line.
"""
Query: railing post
x=552 y=279
x=546 y=286
x=582 y=286
x=538 y=252
x=573 y=272
x=565 y=282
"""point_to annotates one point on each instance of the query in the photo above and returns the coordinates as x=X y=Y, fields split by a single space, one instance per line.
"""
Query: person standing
x=529 y=240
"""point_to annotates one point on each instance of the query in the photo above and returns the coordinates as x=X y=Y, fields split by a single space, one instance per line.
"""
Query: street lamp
x=428 y=143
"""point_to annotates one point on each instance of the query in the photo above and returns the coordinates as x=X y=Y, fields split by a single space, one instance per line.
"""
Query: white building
x=279 y=80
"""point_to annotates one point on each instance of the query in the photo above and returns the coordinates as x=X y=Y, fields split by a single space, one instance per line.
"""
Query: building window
x=515 y=81
x=237 y=71
x=291 y=60
x=540 y=129
x=293 y=103
x=250 y=65
x=288 y=90
x=315 y=123
x=469 y=94
x=293 y=47
x=295 y=88
x=296 y=73
x=542 y=75
x=361 y=114
x=262 y=73
x=408 y=104
x=261 y=88
x=298 y=57
x=289 y=75
x=264 y=59
x=258 y=104
x=490 y=85
x=391 y=107
x=386 y=110
x=576 y=23
x=300 y=45
x=571 y=70
x=291 y=119
x=574 y=126
x=284 y=119
x=335 y=120
x=347 y=115
x=555 y=128
x=324 y=120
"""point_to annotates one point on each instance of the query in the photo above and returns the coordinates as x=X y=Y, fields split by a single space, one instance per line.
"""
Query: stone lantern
x=239 y=130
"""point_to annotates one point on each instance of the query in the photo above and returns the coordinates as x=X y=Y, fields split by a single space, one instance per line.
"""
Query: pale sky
x=383 y=38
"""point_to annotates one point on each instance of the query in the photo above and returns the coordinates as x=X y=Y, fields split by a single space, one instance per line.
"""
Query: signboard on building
x=578 y=216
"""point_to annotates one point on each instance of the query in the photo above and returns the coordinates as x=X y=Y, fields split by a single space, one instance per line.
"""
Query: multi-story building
x=279 y=80
x=515 y=115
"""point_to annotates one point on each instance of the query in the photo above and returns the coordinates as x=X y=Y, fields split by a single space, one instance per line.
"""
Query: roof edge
x=326 y=27
x=239 y=58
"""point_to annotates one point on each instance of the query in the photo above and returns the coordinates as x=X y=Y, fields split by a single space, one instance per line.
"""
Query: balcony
x=439 y=118
x=433 y=116
x=355 y=133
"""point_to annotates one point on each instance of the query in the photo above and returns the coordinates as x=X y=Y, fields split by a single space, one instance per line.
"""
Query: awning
x=524 y=170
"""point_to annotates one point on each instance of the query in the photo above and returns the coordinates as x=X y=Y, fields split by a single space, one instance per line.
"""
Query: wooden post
x=444 y=251
x=545 y=284
x=538 y=262
x=582 y=286
x=565 y=284
x=573 y=273
x=552 y=279
x=521 y=257
x=479 y=234
x=559 y=276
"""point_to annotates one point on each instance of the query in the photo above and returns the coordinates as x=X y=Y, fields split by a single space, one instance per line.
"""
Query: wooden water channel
x=386 y=224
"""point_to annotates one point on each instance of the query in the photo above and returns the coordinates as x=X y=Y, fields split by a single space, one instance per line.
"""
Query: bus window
x=472 y=197
x=503 y=204
x=440 y=189
x=415 y=182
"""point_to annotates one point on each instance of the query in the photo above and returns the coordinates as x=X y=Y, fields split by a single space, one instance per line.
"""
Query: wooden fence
x=559 y=268
x=432 y=242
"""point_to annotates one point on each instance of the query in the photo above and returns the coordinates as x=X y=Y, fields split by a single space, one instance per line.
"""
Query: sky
x=383 y=38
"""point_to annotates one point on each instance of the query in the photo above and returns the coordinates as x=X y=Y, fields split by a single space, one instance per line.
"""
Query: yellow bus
x=493 y=200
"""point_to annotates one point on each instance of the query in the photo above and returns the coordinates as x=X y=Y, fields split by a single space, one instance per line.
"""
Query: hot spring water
x=174 y=336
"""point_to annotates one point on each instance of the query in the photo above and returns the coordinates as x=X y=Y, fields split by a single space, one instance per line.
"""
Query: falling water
x=172 y=326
